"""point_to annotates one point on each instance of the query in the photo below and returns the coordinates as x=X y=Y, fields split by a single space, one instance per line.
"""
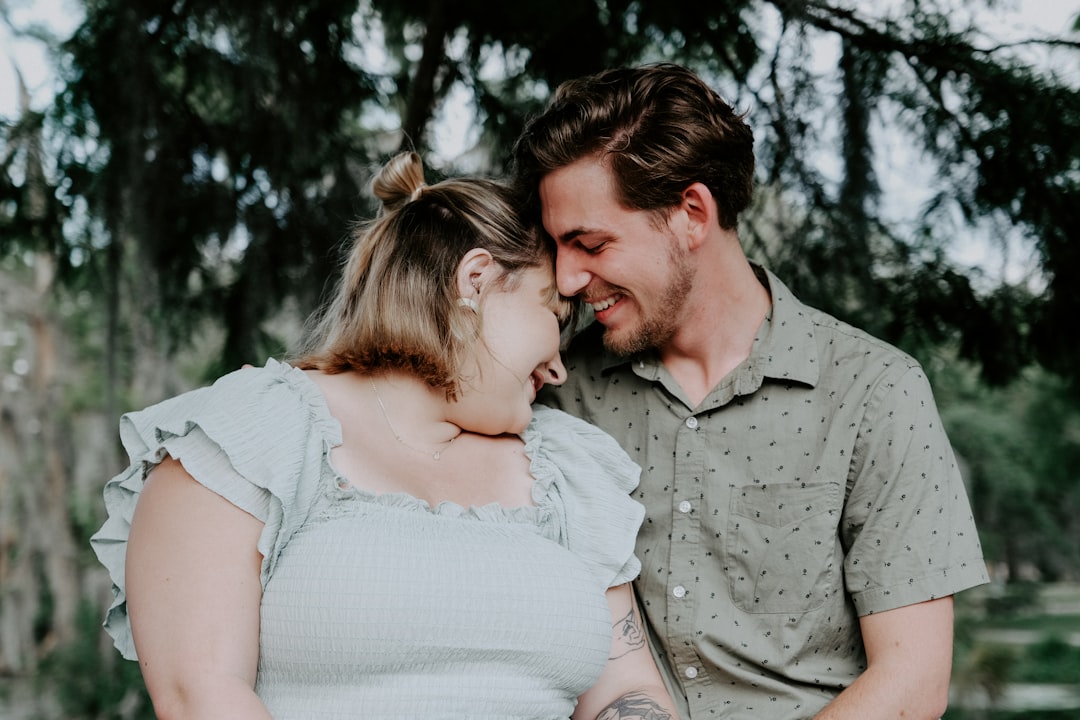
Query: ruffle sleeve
x=257 y=437
x=587 y=478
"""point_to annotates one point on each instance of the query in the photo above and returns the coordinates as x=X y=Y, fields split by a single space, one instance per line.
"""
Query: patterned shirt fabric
x=814 y=485
x=379 y=605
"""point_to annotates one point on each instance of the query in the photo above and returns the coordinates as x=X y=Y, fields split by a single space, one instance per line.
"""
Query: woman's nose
x=555 y=372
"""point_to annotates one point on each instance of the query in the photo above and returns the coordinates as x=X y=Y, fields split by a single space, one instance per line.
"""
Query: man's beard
x=657 y=328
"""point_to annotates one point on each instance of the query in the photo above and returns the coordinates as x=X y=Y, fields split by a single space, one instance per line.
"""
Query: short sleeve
x=908 y=529
x=257 y=437
x=588 y=478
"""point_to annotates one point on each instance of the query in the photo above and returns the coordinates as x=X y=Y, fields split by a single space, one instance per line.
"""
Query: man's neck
x=717 y=333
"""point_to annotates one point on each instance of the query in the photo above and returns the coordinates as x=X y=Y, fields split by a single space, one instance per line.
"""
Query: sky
x=62 y=17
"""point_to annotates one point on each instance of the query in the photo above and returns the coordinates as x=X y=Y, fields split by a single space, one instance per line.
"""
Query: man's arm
x=909 y=660
x=631 y=686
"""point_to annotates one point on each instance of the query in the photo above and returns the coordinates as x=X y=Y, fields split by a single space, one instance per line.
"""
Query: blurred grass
x=1015 y=636
x=1046 y=624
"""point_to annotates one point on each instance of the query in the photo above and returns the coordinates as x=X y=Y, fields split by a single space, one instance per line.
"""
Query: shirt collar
x=785 y=347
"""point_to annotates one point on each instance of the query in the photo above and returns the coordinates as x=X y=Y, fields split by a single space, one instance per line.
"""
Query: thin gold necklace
x=397 y=436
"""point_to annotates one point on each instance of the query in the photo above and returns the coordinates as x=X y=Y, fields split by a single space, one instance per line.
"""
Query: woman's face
x=517 y=354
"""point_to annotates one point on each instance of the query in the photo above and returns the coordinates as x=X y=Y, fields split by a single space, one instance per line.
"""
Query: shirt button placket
x=685 y=546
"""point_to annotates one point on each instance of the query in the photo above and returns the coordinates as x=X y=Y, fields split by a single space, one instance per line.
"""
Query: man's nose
x=571 y=277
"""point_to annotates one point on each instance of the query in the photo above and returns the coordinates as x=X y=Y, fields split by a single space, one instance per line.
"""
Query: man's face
x=632 y=270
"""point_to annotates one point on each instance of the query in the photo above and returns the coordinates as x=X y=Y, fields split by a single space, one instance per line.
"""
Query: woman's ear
x=473 y=272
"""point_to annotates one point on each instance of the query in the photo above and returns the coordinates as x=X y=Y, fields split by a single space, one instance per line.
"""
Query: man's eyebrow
x=571 y=235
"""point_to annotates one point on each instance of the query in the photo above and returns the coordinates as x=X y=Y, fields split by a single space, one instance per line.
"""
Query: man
x=806 y=523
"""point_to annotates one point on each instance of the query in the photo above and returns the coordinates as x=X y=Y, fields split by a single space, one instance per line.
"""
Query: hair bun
x=400 y=181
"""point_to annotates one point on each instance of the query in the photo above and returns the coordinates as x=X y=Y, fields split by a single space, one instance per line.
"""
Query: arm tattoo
x=634 y=705
x=629 y=635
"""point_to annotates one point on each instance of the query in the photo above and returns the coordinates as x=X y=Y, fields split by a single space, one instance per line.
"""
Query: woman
x=385 y=527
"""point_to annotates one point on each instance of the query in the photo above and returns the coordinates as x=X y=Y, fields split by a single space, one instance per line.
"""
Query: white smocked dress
x=380 y=605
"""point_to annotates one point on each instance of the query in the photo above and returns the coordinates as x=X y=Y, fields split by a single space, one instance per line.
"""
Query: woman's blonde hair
x=396 y=305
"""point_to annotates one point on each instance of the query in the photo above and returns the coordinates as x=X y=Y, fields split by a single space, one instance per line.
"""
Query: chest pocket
x=783 y=546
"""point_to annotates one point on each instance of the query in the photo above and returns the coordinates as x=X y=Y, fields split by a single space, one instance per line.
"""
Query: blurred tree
x=994 y=129
x=1019 y=447
x=39 y=586
x=1052 y=424
x=999 y=463
x=222 y=148
x=215 y=144
x=1001 y=135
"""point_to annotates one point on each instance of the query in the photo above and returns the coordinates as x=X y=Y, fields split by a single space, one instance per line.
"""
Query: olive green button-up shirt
x=814 y=485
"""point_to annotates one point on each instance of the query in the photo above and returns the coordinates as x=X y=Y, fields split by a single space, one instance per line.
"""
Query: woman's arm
x=630 y=686
x=193 y=594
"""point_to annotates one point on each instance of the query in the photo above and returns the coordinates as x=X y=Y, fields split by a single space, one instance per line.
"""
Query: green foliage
x=219 y=133
x=45 y=602
x=1059 y=624
x=960 y=714
x=983 y=667
x=992 y=667
x=1051 y=660
x=1014 y=599
x=1019 y=447
x=988 y=123
x=219 y=150
x=88 y=687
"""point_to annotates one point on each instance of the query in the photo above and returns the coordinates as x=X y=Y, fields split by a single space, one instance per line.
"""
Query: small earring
x=469 y=303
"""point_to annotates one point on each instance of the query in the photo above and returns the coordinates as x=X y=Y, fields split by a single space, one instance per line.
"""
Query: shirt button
x=690 y=672
x=678 y=591
x=684 y=506
x=691 y=422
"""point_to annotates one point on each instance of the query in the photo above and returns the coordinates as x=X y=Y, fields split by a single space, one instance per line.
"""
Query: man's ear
x=473 y=272
x=700 y=208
